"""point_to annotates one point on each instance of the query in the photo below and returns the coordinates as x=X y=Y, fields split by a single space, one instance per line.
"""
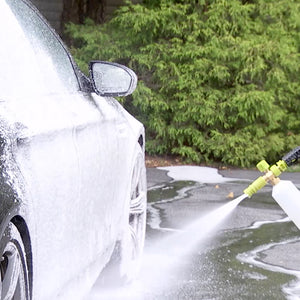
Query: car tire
x=13 y=266
x=126 y=258
x=134 y=237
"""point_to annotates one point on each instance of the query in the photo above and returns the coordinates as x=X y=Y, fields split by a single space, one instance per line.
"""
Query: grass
x=293 y=169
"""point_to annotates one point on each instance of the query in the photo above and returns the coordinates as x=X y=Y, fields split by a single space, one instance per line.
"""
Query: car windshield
x=32 y=60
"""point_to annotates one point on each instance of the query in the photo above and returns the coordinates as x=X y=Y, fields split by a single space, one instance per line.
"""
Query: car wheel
x=126 y=257
x=13 y=267
x=134 y=236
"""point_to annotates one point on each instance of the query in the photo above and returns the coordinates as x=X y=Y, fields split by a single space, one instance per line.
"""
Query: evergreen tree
x=219 y=80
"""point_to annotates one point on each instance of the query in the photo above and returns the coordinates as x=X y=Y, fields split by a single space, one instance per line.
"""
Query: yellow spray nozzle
x=256 y=185
x=271 y=175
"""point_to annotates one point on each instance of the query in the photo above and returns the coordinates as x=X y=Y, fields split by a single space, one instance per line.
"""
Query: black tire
x=13 y=266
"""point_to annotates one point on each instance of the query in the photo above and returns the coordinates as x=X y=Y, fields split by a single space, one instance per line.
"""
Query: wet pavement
x=253 y=255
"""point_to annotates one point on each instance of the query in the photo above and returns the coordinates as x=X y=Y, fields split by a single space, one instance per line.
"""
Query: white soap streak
x=292 y=289
x=258 y=224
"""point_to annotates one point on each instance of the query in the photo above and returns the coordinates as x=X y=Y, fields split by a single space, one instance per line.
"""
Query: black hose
x=292 y=157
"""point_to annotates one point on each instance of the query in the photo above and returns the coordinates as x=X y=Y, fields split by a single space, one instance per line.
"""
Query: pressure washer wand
x=284 y=192
x=292 y=157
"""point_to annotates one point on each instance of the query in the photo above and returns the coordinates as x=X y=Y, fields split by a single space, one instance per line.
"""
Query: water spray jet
x=284 y=192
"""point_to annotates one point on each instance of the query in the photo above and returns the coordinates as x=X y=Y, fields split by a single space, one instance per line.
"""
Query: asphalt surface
x=253 y=254
x=156 y=176
x=256 y=252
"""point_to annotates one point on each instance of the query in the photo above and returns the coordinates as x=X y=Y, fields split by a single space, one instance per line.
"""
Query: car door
x=65 y=149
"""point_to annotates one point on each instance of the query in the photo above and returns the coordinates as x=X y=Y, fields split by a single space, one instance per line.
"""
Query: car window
x=32 y=59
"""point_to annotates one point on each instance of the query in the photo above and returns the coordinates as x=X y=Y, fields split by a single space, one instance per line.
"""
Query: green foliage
x=219 y=80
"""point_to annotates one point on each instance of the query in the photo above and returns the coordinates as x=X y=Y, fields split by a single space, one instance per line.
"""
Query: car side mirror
x=112 y=79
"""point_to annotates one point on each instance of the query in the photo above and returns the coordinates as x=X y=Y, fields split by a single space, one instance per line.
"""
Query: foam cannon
x=284 y=192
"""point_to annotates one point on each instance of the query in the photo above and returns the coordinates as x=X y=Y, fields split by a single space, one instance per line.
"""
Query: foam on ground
x=195 y=173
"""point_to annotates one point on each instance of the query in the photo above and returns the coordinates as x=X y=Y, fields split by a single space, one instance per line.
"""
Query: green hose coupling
x=280 y=167
x=271 y=174
x=255 y=186
x=263 y=166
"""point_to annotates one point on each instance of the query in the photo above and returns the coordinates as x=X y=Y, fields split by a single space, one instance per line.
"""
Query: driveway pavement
x=156 y=176
x=257 y=240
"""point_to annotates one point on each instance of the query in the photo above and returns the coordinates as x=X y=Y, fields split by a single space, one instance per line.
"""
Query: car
x=72 y=170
